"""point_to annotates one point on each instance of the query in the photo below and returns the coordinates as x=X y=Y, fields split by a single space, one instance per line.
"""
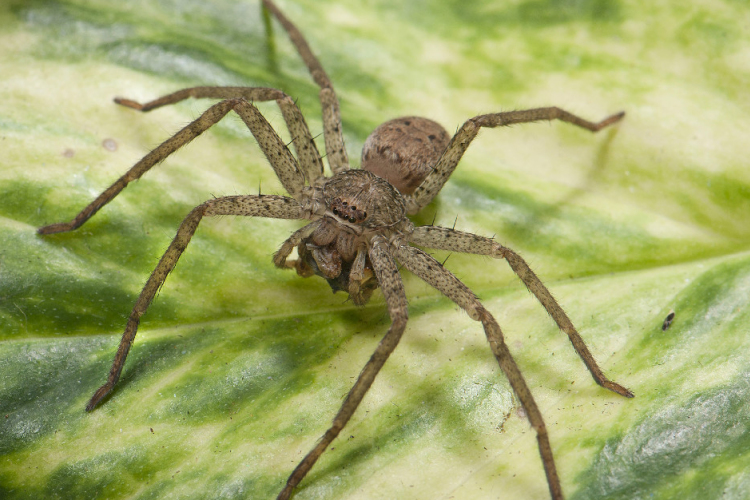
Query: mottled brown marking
x=403 y=151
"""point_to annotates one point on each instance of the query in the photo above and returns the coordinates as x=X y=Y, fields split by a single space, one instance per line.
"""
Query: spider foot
x=98 y=396
x=285 y=494
x=609 y=121
x=615 y=387
x=129 y=103
x=60 y=227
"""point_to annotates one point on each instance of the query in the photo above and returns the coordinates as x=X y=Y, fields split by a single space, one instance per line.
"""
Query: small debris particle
x=109 y=144
x=667 y=321
x=69 y=153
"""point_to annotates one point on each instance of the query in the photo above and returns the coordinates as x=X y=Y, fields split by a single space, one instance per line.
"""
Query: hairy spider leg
x=395 y=297
x=460 y=142
x=432 y=272
x=279 y=207
x=442 y=238
x=273 y=206
x=332 y=131
x=289 y=174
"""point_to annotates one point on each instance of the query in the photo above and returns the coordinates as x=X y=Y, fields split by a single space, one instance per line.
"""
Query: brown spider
x=358 y=227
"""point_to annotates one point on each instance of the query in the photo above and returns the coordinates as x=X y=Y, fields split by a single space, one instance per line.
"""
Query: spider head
x=364 y=199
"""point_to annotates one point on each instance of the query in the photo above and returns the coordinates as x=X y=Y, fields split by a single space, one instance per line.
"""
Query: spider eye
x=335 y=212
x=352 y=220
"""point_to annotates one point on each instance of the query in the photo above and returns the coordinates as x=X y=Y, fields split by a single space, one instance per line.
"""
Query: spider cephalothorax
x=357 y=232
x=363 y=201
x=359 y=204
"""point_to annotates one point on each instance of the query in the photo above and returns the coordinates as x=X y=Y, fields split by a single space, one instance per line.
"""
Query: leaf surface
x=238 y=367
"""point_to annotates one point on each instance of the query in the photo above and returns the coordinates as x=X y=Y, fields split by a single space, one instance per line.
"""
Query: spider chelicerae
x=357 y=229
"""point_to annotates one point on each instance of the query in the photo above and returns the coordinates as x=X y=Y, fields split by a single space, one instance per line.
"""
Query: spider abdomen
x=403 y=151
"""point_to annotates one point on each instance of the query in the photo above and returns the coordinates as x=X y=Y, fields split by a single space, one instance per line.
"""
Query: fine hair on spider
x=357 y=231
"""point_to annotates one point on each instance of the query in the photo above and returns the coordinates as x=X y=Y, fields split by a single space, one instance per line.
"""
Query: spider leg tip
x=51 y=229
x=128 y=103
x=623 y=391
x=93 y=403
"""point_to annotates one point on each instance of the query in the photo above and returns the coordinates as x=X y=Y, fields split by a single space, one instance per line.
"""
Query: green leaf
x=238 y=368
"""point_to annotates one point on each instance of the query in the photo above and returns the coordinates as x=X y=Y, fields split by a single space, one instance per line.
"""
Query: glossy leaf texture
x=238 y=367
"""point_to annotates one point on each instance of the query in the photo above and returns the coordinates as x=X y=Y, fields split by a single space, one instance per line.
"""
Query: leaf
x=238 y=367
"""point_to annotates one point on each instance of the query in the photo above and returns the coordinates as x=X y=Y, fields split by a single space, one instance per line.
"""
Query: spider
x=357 y=229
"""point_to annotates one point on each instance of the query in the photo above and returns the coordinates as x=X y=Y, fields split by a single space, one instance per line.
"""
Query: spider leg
x=332 y=131
x=307 y=151
x=273 y=147
x=281 y=255
x=449 y=239
x=395 y=297
x=460 y=142
x=278 y=207
x=357 y=276
x=207 y=92
x=432 y=272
